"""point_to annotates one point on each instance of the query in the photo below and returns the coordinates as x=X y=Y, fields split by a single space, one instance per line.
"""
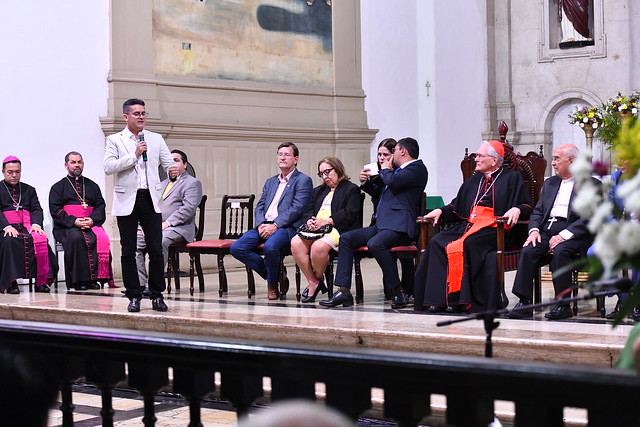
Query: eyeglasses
x=325 y=172
x=287 y=155
x=138 y=114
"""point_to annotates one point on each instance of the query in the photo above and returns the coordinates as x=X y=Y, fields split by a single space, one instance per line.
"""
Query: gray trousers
x=169 y=236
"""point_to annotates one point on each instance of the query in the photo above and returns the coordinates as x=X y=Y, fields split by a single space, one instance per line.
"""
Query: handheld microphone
x=144 y=153
x=617 y=284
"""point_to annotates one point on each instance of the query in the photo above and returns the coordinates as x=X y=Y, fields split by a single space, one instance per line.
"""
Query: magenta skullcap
x=10 y=159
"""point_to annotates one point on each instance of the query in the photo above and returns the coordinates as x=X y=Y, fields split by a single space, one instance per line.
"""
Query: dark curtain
x=578 y=13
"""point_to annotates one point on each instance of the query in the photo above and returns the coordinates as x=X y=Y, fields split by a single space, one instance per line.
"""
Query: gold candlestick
x=588 y=132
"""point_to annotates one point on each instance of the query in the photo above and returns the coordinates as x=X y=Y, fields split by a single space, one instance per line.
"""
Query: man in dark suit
x=279 y=212
x=405 y=177
x=555 y=229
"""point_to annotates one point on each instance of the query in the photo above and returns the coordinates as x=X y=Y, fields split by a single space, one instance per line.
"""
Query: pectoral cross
x=18 y=207
x=473 y=215
x=551 y=221
x=84 y=205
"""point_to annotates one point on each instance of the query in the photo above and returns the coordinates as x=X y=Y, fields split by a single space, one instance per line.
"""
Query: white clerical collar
x=490 y=174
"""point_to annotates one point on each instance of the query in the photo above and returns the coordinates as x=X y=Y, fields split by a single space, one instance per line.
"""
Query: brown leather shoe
x=272 y=292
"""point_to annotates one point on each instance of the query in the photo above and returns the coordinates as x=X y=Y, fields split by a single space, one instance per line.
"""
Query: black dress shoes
x=81 y=286
x=456 y=309
x=338 y=298
x=13 y=289
x=320 y=288
x=559 y=312
x=305 y=293
x=94 y=286
x=134 y=305
x=400 y=299
x=158 y=304
x=42 y=289
x=518 y=313
x=436 y=309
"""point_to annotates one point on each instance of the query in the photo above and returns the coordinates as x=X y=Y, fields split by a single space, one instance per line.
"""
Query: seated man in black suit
x=405 y=177
x=556 y=229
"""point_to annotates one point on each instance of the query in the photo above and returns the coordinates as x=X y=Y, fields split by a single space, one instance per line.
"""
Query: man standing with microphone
x=134 y=156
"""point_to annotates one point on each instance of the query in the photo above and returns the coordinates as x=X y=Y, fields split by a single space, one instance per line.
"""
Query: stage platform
x=586 y=339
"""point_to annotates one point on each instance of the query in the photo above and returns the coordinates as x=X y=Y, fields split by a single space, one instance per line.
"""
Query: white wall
x=406 y=43
x=53 y=87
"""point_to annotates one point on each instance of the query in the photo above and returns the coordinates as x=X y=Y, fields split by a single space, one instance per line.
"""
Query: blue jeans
x=268 y=268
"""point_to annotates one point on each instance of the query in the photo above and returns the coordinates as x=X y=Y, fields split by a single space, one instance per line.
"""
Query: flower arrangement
x=614 y=110
x=617 y=231
x=592 y=116
x=623 y=103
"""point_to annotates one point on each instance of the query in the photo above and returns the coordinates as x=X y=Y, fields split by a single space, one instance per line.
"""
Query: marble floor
x=372 y=324
x=586 y=339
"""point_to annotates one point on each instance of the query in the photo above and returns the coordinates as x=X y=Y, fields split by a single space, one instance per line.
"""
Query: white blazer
x=120 y=159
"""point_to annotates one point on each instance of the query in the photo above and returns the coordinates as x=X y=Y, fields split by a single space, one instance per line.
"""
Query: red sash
x=455 y=254
x=40 y=245
x=102 y=240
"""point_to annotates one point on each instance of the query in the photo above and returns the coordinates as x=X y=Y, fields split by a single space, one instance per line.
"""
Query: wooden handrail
x=539 y=390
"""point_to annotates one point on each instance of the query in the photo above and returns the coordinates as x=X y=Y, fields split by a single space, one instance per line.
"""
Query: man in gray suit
x=134 y=155
x=181 y=196
x=285 y=199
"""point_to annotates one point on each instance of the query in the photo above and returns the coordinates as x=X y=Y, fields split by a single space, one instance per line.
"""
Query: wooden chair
x=411 y=251
x=532 y=167
x=236 y=217
x=175 y=249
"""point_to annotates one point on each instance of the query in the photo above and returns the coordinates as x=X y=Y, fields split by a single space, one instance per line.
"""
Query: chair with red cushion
x=236 y=218
x=410 y=251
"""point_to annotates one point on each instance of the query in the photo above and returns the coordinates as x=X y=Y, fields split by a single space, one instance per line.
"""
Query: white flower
x=632 y=203
x=606 y=246
x=595 y=125
x=599 y=216
x=585 y=119
x=629 y=237
x=629 y=190
x=587 y=200
x=581 y=125
x=634 y=110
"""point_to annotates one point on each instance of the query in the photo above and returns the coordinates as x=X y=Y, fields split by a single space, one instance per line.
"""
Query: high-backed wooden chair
x=236 y=217
x=411 y=251
x=532 y=167
x=175 y=249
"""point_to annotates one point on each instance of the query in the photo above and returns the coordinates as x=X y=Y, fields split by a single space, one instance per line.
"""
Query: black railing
x=540 y=391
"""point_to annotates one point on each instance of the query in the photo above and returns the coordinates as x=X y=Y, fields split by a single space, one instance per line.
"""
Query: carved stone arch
x=544 y=124
x=553 y=103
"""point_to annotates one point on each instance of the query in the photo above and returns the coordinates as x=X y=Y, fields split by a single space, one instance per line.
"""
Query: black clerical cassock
x=503 y=190
x=27 y=256
x=87 y=256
